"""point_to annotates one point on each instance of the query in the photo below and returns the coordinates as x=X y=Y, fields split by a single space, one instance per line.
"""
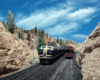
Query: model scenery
x=49 y=39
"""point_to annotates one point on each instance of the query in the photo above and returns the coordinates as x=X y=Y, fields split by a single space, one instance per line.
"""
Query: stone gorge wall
x=13 y=53
x=89 y=57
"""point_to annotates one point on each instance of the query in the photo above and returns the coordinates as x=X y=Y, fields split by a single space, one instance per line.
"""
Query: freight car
x=49 y=54
x=69 y=51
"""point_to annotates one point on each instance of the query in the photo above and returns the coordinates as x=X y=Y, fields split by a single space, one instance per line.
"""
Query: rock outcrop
x=13 y=53
x=89 y=56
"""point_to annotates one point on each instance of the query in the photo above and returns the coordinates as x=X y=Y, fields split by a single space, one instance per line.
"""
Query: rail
x=24 y=75
x=59 y=69
x=68 y=70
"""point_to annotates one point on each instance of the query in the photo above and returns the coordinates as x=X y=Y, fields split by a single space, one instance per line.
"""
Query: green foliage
x=67 y=42
x=42 y=33
x=32 y=47
x=54 y=43
x=61 y=42
x=11 y=22
x=35 y=29
x=47 y=34
x=19 y=34
x=22 y=36
x=28 y=43
x=57 y=39
x=4 y=24
x=28 y=37
x=40 y=41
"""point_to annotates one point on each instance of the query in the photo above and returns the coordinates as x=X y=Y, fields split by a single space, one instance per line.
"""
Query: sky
x=67 y=19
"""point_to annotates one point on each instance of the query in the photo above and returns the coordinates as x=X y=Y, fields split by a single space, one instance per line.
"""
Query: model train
x=49 y=54
x=69 y=51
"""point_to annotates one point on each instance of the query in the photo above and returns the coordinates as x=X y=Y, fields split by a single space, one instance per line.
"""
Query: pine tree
x=67 y=42
x=42 y=32
x=19 y=34
x=50 y=36
x=57 y=39
x=61 y=42
x=28 y=38
x=36 y=30
x=53 y=43
x=40 y=41
x=11 y=22
x=22 y=36
x=47 y=35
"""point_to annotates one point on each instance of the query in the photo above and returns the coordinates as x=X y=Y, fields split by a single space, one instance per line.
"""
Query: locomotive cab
x=45 y=54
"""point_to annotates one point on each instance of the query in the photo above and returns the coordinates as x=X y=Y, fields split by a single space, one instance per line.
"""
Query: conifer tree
x=22 y=36
x=42 y=32
x=61 y=42
x=28 y=38
x=47 y=35
x=19 y=34
x=36 y=30
x=53 y=43
x=57 y=39
x=50 y=36
x=11 y=22
x=40 y=41
x=67 y=42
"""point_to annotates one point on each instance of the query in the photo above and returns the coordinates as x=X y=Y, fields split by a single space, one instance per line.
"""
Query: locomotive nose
x=44 y=52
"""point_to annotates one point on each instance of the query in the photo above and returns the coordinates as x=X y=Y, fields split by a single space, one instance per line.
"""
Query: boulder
x=89 y=56
x=13 y=53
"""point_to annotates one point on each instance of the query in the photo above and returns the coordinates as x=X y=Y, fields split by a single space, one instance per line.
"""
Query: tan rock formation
x=13 y=53
x=89 y=56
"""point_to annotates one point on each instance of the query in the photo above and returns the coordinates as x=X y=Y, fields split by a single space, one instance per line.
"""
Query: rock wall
x=13 y=53
x=89 y=57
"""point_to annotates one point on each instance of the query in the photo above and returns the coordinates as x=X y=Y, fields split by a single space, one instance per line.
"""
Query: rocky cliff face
x=89 y=56
x=13 y=53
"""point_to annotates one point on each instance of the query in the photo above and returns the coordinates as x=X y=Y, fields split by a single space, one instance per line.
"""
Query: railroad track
x=56 y=77
x=26 y=74
x=68 y=71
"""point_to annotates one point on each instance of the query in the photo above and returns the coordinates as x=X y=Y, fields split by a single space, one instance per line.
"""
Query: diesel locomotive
x=49 y=54
x=69 y=51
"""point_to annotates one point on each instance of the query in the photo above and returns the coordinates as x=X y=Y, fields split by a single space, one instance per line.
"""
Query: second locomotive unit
x=48 y=54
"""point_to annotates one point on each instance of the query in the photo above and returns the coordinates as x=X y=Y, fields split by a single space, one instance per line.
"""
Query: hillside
x=47 y=39
x=32 y=33
x=70 y=42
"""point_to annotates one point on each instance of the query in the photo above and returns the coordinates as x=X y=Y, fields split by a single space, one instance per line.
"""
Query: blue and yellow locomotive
x=49 y=54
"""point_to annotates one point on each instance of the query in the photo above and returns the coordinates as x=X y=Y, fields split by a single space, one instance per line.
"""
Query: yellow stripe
x=52 y=57
x=46 y=55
